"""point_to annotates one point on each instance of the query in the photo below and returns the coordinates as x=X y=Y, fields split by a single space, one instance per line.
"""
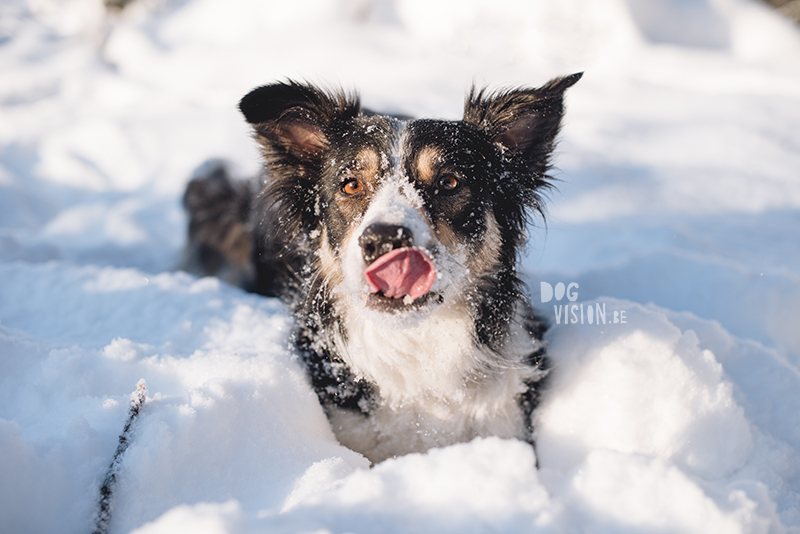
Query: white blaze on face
x=397 y=202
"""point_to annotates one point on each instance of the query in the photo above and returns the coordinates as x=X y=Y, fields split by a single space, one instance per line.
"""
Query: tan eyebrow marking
x=427 y=163
x=366 y=163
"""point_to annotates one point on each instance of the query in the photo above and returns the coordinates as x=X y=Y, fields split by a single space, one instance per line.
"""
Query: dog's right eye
x=352 y=187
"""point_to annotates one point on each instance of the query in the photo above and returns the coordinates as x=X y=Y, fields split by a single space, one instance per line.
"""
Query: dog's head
x=406 y=215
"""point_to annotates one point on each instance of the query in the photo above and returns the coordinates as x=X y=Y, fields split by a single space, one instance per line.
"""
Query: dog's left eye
x=352 y=187
x=447 y=182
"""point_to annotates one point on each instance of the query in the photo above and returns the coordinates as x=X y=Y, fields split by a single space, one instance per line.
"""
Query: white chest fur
x=436 y=387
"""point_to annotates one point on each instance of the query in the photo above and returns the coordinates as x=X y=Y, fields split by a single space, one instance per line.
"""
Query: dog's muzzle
x=395 y=268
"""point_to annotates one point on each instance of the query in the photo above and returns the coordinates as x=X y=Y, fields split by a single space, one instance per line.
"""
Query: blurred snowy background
x=678 y=203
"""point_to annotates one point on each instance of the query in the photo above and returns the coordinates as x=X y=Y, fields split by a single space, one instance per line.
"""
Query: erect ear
x=522 y=122
x=290 y=118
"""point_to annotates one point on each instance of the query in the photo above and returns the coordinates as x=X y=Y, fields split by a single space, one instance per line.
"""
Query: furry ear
x=290 y=119
x=522 y=122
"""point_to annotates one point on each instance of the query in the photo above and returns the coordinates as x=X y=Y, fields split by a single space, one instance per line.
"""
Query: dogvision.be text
x=577 y=313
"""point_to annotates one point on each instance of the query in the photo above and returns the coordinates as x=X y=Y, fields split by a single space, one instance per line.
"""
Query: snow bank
x=229 y=408
x=655 y=423
x=677 y=204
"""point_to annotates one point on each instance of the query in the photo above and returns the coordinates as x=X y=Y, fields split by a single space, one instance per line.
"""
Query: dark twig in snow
x=103 y=517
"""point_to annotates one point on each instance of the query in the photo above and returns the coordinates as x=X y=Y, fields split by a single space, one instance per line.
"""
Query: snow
x=678 y=203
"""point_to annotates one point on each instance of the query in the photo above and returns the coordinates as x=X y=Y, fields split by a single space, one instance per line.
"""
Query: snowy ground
x=679 y=205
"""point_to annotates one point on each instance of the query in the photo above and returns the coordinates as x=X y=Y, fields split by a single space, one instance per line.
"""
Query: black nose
x=378 y=239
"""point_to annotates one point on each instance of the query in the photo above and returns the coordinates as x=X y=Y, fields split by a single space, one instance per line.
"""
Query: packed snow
x=676 y=219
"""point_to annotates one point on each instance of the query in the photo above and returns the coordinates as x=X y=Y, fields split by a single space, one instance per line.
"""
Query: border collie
x=395 y=242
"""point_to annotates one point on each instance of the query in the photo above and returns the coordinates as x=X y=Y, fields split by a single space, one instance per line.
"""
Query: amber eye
x=447 y=182
x=352 y=187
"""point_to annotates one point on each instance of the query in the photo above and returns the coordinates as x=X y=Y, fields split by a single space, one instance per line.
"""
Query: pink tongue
x=401 y=272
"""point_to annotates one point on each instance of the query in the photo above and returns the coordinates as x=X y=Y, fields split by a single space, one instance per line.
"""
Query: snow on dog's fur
x=396 y=243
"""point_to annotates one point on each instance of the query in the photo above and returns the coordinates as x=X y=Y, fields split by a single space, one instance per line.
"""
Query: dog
x=395 y=242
